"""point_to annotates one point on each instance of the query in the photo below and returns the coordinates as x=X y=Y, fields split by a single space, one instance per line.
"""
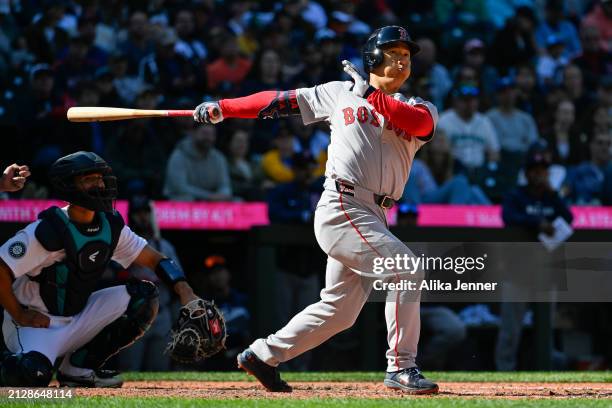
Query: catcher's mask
x=372 y=51
x=65 y=170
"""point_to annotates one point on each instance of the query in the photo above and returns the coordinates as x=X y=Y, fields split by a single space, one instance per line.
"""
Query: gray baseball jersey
x=369 y=151
x=366 y=149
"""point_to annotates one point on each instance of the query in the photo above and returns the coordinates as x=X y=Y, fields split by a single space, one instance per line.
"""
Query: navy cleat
x=95 y=379
x=267 y=375
x=411 y=381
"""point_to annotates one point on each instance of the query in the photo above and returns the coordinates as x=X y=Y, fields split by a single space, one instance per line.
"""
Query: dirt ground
x=304 y=390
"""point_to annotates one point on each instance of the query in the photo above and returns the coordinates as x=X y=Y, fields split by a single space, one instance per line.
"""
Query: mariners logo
x=17 y=249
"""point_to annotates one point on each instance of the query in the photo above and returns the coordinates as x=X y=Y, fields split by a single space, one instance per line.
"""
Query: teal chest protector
x=65 y=286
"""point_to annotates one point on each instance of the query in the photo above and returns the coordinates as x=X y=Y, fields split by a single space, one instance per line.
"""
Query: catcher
x=48 y=275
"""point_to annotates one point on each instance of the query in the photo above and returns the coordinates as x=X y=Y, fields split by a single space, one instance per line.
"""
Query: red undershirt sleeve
x=262 y=105
x=415 y=120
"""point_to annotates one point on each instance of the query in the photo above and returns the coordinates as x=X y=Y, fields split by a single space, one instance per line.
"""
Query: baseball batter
x=375 y=133
x=49 y=272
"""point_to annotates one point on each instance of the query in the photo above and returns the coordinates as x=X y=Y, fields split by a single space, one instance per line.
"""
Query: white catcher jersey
x=365 y=148
x=25 y=256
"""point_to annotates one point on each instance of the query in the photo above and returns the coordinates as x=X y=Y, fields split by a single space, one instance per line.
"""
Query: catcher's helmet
x=372 y=52
x=62 y=175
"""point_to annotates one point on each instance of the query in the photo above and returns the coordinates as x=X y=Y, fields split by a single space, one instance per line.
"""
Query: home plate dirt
x=305 y=390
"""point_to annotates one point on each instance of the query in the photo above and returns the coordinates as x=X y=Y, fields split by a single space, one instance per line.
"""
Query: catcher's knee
x=144 y=303
x=31 y=369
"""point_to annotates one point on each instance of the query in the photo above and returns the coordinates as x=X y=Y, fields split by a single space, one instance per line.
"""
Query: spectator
x=586 y=183
x=601 y=17
x=44 y=37
x=147 y=354
x=167 y=70
x=75 y=67
x=445 y=331
x=474 y=53
x=244 y=175
x=188 y=45
x=471 y=134
x=266 y=73
x=233 y=304
x=527 y=96
x=196 y=170
x=138 y=43
x=230 y=67
x=128 y=87
x=137 y=151
x=516 y=39
x=573 y=86
x=567 y=144
x=595 y=61
x=276 y=163
x=551 y=61
x=293 y=202
x=424 y=65
x=298 y=282
x=515 y=129
x=533 y=207
x=432 y=181
x=557 y=25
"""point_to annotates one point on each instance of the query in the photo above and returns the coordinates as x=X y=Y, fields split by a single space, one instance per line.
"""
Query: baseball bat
x=102 y=114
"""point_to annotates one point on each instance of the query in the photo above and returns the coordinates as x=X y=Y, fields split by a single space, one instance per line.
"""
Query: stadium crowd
x=504 y=74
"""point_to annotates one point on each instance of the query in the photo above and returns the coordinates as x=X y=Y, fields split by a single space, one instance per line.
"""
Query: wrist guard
x=169 y=272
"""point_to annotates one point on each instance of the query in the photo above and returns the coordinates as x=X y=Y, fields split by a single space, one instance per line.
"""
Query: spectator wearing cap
x=601 y=17
x=536 y=204
x=293 y=202
x=532 y=207
x=516 y=39
x=169 y=71
x=231 y=67
x=147 y=354
x=590 y=182
x=516 y=130
x=474 y=56
x=551 y=61
x=297 y=278
x=555 y=24
x=424 y=65
x=215 y=284
x=472 y=136
x=432 y=180
x=196 y=170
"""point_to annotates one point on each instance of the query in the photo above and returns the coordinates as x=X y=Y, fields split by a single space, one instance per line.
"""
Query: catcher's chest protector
x=65 y=286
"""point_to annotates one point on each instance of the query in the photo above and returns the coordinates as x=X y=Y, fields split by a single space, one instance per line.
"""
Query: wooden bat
x=101 y=114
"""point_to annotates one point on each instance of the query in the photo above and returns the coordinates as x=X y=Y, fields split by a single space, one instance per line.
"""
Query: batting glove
x=361 y=84
x=208 y=112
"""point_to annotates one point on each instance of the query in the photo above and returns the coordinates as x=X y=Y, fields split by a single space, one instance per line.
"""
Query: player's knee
x=144 y=302
x=31 y=369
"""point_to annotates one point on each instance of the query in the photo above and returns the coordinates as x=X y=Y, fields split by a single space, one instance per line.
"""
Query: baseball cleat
x=267 y=375
x=411 y=381
x=96 y=379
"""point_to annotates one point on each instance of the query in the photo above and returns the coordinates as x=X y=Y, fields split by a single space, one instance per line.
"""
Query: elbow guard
x=169 y=272
x=284 y=104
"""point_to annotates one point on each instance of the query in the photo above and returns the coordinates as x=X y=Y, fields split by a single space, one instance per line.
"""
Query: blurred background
x=524 y=91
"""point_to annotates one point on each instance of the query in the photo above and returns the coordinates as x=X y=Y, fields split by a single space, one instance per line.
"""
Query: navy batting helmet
x=62 y=175
x=372 y=51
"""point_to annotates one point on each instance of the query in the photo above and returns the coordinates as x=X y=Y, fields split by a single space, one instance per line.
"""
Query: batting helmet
x=62 y=175
x=372 y=52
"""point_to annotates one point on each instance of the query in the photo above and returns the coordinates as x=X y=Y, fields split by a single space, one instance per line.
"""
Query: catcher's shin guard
x=124 y=331
x=31 y=369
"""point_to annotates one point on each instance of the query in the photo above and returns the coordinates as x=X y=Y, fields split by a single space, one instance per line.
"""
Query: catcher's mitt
x=198 y=333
